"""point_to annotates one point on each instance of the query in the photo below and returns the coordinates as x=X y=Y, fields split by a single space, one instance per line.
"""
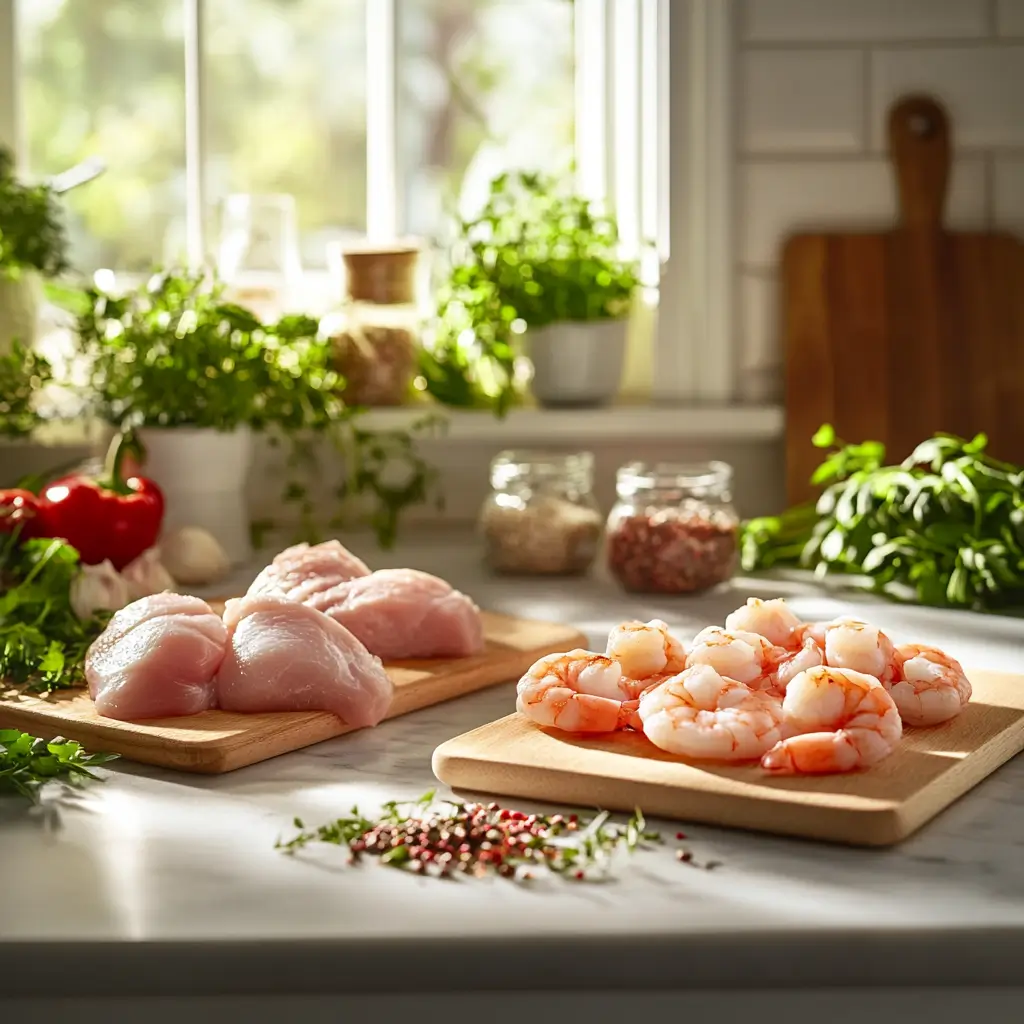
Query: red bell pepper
x=112 y=518
x=19 y=508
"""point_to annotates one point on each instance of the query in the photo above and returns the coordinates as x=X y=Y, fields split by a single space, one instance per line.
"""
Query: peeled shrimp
x=736 y=654
x=701 y=714
x=774 y=620
x=931 y=687
x=578 y=691
x=810 y=654
x=646 y=649
x=837 y=720
x=850 y=643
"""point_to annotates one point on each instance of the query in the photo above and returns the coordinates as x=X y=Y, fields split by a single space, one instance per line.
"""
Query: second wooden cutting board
x=895 y=335
x=928 y=771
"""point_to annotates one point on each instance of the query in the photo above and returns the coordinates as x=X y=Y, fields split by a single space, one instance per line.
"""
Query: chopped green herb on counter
x=42 y=641
x=946 y=524
x=452 y=838
x=27 y=762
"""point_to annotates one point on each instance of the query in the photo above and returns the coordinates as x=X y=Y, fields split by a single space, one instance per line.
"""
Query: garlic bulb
x=147 y=575
x=98 y=588
x=194 y=556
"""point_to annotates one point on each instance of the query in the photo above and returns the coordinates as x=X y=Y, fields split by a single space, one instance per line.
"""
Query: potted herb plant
x=197 y=377
x=539 y=271
x=32 y=246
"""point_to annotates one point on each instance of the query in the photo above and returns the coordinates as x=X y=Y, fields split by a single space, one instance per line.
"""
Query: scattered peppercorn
x=480 y=839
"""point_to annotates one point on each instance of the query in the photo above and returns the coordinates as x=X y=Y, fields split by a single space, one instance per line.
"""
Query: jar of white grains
x=541 y=517
x=673 y=529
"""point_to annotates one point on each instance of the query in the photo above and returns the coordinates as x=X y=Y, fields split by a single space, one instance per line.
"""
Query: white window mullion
x=195 y=150
x=381 y=120
x=653 y=124
x=593 y=100
x=626 y=122
x=9 y=113
x=694 y=356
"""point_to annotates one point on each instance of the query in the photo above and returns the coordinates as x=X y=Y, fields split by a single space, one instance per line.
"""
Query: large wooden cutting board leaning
x=895 y=335
x=878 y=807
x=220 y=741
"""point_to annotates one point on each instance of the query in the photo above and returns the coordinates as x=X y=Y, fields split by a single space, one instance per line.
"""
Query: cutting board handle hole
x=922 y=126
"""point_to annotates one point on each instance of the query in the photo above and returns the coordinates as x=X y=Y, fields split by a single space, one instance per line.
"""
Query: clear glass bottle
x=375 y=333
x=673 y=529
x=541 y=517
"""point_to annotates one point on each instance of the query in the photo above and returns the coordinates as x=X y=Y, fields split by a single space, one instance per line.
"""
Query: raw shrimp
x=646 y=649
x=836 y=720
x=578 y=691
x=931 y=686
x=736 y=654
x=850 y=643
x=774 y=620
x=701 y=714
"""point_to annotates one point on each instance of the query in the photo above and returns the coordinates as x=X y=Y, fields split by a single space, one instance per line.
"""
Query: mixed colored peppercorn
x=479 y=839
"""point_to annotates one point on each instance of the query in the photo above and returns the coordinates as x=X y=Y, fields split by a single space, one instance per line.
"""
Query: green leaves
x=42 y=641
x=27 y=762
x=31 y=225
x=947 y=524
x=22 y=373
x=536 y=254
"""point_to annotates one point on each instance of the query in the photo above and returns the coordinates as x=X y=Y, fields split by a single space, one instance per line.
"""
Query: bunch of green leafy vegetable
x=31 y=226
x=23 y=373
x=946 y=525
x=42 y=641
x=28 y=762
x=174 y=353
x=536 y=254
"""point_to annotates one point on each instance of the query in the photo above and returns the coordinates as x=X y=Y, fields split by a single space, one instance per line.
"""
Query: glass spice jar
x=375 y=334
x=541 y=518
x=673 y=529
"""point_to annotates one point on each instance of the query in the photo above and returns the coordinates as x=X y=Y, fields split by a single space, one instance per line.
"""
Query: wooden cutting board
x=220 y=741
x=895 y=335
x=877 y=807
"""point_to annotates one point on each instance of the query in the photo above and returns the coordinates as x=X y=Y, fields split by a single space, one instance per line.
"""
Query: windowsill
x=618 y=423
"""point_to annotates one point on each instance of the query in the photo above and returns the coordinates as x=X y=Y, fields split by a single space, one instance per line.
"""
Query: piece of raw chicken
x=301 y=571
x=286 y=656
x=156 y=659
x=404 y=613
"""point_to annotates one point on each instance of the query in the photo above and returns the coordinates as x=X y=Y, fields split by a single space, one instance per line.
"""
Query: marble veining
x=154 y=854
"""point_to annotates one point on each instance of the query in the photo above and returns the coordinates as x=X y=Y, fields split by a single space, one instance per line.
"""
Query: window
x=378 y=117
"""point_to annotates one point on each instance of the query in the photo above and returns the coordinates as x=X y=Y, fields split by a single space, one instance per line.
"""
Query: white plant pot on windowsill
x=203 y=475
x=20 y=303
x=577 y=364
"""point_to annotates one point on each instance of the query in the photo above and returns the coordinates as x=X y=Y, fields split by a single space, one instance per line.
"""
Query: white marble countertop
x=154 y=872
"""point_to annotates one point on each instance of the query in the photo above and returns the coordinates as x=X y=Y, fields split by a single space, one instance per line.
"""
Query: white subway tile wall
x=803 y=100
x=846 y=21
x=1010 y=18
x=816 y=79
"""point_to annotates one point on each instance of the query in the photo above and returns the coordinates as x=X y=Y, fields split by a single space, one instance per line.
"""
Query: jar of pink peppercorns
x=673 y=529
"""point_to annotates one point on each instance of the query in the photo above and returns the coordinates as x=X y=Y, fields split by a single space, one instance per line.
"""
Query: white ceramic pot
x=20 y=303
x=203 y=475
x=577 y=364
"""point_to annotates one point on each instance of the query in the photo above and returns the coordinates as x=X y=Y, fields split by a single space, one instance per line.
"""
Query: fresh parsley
x=42 y=641
x=28 y=762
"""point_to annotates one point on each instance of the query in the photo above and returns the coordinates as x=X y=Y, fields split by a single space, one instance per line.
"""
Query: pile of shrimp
x=800 y=697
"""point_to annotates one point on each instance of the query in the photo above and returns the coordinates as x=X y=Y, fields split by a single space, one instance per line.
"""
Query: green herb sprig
x=449 y=837
x=42 y=641
x=28 y=762
x=946 y=525
x=32 y=235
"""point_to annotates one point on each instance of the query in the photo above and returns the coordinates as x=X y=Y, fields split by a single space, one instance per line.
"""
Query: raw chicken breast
x=301 y=571
x=405 y=613
x=156 y=659
x=285 y=656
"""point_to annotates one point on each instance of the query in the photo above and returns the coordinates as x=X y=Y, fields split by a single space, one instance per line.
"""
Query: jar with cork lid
x=375 y=333
x=541 y=517
x=673 y=529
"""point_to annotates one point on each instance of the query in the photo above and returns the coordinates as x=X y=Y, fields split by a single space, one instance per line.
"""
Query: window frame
x=652 y=76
